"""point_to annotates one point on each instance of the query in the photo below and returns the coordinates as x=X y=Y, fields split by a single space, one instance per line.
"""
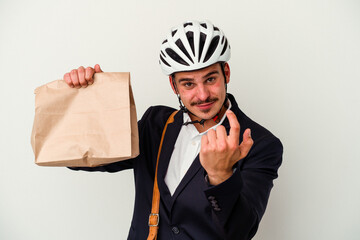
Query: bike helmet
x=193 y=45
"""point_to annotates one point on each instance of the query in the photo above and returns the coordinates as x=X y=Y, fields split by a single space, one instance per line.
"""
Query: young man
x=214 y=177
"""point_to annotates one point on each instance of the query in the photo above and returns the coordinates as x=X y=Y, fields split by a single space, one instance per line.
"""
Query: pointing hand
x=219 y=151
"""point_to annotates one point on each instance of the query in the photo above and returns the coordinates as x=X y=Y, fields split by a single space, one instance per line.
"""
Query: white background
x=294 y=69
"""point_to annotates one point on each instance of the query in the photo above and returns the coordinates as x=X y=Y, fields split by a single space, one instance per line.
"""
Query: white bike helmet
x=193 y=45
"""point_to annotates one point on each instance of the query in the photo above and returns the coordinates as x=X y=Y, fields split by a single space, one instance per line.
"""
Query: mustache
x=208 y=100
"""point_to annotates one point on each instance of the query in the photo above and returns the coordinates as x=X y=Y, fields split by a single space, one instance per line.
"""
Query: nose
x=202 y=92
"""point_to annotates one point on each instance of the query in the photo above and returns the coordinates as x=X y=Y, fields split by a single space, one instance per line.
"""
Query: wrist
x=219 y=177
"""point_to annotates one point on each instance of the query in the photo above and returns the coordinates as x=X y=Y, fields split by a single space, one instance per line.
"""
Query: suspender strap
x=154 y=215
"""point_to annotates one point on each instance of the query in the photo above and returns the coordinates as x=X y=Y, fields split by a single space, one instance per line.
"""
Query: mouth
x=205 y=106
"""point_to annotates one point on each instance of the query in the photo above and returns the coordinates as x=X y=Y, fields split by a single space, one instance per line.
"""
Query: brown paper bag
x=85 y=127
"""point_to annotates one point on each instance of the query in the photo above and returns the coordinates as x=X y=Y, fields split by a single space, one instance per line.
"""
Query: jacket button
x=175 y=230
x=211 y=198
x=215 y=205
x=216 y=208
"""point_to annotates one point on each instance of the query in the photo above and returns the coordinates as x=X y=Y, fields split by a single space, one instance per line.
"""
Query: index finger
x=234 y=133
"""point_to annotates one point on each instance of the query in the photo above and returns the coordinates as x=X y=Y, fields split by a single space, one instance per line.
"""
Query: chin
x=206 y=113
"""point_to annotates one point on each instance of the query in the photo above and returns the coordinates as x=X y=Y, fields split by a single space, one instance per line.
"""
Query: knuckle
x=236 y=127
x=213 y=148
x=220 y=127
x=82 y=82
x=89 y=72
x=68 y=81
x=208 y=148
x=66 y=76
x=203 y=150
x=222 y=149
x=233 y=147
x=221 y=146
x=211 y=132
x=81 y=69
x=73 y=73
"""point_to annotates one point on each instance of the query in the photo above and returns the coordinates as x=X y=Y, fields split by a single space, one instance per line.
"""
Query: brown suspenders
x=154 y=215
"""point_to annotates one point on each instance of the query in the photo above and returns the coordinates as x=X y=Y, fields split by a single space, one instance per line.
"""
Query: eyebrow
x=211 y=73
x=191 y=79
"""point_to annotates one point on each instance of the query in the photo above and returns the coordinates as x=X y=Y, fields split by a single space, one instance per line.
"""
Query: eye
x=210 y=79
x=188 y=84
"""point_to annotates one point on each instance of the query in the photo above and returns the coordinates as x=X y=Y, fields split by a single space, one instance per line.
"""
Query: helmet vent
x=225 y=46
x=163 y=60
x=190 y=37
x=201 y=44
x=176 y=57
x=187 y=24
x=212 y=47
x=173 y=32
x=182 y=48
x=204 y=25
x=216 y=28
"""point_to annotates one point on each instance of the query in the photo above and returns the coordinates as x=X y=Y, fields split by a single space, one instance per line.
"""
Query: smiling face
x=202 y=91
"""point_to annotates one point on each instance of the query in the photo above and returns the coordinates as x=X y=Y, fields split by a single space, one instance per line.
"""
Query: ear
x=227 y=72
x=172 y=84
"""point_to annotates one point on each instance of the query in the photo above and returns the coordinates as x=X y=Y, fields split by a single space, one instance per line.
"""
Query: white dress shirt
x=187 y=147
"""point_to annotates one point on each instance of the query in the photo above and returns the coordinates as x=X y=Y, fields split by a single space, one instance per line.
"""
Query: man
x=214 y=178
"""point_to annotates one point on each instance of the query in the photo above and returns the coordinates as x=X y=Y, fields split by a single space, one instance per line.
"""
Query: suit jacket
x=231 y=210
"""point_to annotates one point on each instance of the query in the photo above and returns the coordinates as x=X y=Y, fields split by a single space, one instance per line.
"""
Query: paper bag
x=85 y=127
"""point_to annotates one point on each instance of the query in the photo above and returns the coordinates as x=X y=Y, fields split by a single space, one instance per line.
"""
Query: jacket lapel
x=192 y=171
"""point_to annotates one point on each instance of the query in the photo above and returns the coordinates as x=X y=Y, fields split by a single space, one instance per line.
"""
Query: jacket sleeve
x=239 y=203
x=121 y=165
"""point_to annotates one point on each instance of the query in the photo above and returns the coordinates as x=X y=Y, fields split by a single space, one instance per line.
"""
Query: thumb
x=97 y=68
x=246 y=144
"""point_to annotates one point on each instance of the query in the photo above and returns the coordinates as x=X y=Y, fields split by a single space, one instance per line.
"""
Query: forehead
x=198 y=73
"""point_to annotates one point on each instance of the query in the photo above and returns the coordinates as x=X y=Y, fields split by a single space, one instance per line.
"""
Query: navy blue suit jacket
x=231 y=210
